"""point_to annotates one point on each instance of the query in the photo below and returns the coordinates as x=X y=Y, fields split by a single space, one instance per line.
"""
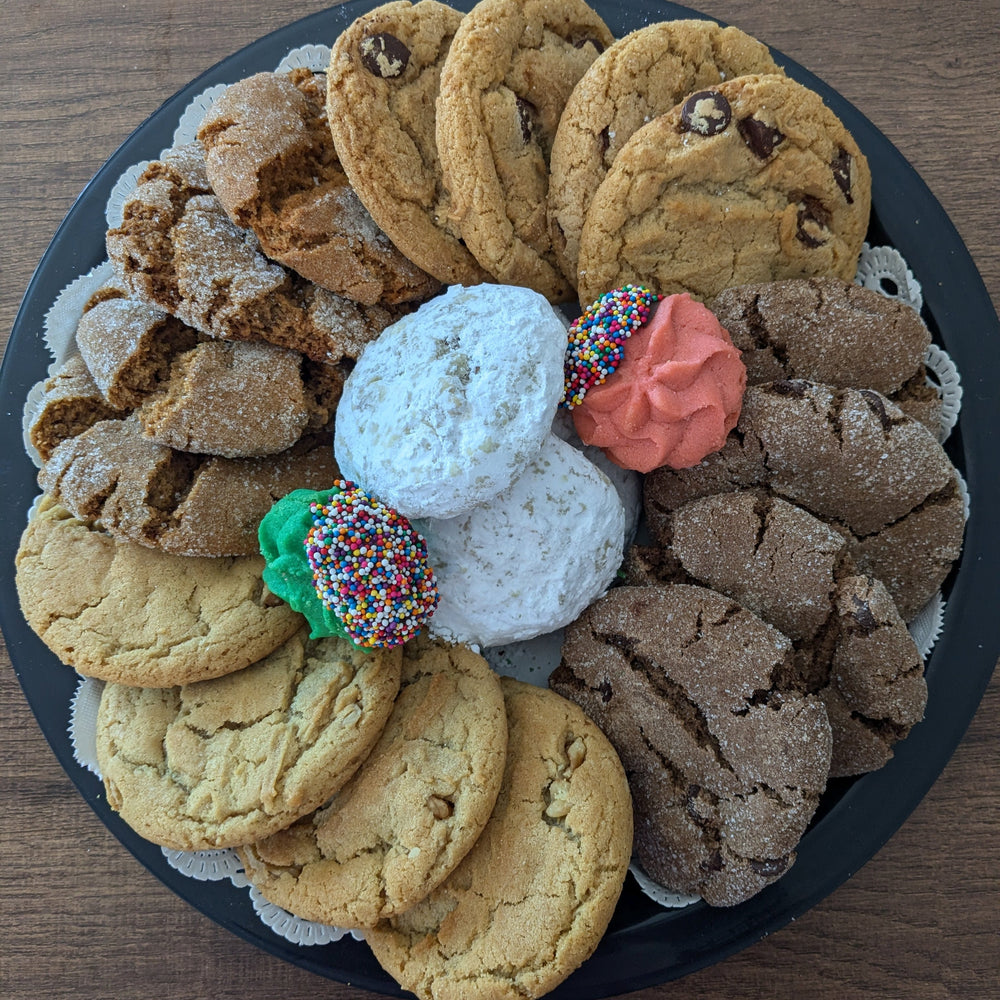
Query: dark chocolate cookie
x=726 y=767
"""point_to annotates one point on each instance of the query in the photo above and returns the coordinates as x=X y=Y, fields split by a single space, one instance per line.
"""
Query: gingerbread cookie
x=182 y=503
x=382 y=87
x=227 y=761
x=509 y=72
x=641 y=76
x=129 y=614
x=176 y=248
x=271 y=161
x=850 y=457
x=794 y=571
x=823 y=329
x=535 y=894
x=411 y=813
x=752 y=180
x=726 y=766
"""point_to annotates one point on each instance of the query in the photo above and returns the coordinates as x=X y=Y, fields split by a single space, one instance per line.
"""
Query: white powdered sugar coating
x=529 y=561
x=452 y=401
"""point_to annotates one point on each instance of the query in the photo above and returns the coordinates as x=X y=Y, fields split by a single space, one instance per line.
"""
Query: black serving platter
x=645 y=944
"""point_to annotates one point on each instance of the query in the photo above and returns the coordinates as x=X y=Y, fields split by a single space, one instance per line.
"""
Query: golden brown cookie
x=271 y=161
x=410 y=813
x=183 y=503
x=823 y=329
x=752 y=180
x=641 y=76
x=509 y=72
x=226 y=761
x=726 y=765
x=129 y=614
x=382 y=86
x=176 y=248
x=850 y=457
x=535 y=894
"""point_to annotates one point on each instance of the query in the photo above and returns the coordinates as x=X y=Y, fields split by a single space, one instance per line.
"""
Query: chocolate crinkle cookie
x=725 y=762
x=850 y=645
x=176 y=248
x=832 y=331
x=853 y=459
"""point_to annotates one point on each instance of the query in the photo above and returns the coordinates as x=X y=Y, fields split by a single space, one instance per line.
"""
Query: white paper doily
x=83 y=723
x=884 y=270
x=293 y=928
x=208 y=866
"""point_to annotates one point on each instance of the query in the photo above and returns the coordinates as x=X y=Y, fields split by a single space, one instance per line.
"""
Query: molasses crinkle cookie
x=533 y=897
x=228 y=761
x=752 y=180
x=272 y=164
x=726 y=766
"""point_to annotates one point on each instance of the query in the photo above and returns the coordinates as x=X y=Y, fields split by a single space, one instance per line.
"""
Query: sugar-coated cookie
x=412 y=811
x=533 y=897
x=753 y=180
x=532 y=558
x=223 y=762
x=452 y=401
x=382 y=87
x=850 y=457
x=641 y=76
x=133 y=615
x=272 y=164
x=509 y=72
x=726 y=766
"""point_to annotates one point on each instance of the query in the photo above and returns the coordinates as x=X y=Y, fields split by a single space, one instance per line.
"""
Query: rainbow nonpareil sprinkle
x=369 y=567
x=596 y=339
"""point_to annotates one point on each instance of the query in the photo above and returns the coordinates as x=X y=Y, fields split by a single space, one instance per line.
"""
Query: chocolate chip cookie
x=850 y=457
x=509 y=72
x=641 y=76
x=132 y=615
x=411 y=813
x=726 y=767
x=753 y=180
x=382 y=87
x=270 y=158
x=231 y=760
x=535 y=894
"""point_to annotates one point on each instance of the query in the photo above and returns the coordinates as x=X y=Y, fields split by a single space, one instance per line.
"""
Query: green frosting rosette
x=352 y=566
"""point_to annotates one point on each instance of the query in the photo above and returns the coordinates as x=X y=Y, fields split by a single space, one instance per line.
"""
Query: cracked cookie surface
x=382 y=87
x=640 y=76
x=851 y=646
x=562 y=833
x=509 y=72
x=271 y=161
x=222 y=762
x=410 y=813
x=726 y=767
x=133 y=615
x=853 y=459
x=752 y=180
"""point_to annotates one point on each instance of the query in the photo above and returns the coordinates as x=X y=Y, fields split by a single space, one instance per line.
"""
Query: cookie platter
x=645 y=944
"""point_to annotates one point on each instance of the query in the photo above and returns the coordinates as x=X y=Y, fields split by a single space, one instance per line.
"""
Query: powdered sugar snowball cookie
x=529 y=561
x=453 y=401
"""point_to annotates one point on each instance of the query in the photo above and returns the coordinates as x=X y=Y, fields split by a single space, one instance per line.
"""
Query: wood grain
x=81 y=918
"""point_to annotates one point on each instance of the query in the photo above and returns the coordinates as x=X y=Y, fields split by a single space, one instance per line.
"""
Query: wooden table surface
x=80 y=917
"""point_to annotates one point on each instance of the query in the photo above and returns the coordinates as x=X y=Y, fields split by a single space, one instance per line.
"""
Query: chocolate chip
x=760 y=137
x=813 y=216
x=580 y=42
x=525 y=109
x=713 y=863
x=862 y=614
x=707 y=112
x=841 y=167
x=769 y=867
x=605 y=689
x=790 y=387
x=384 y=55
x=877 y=405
